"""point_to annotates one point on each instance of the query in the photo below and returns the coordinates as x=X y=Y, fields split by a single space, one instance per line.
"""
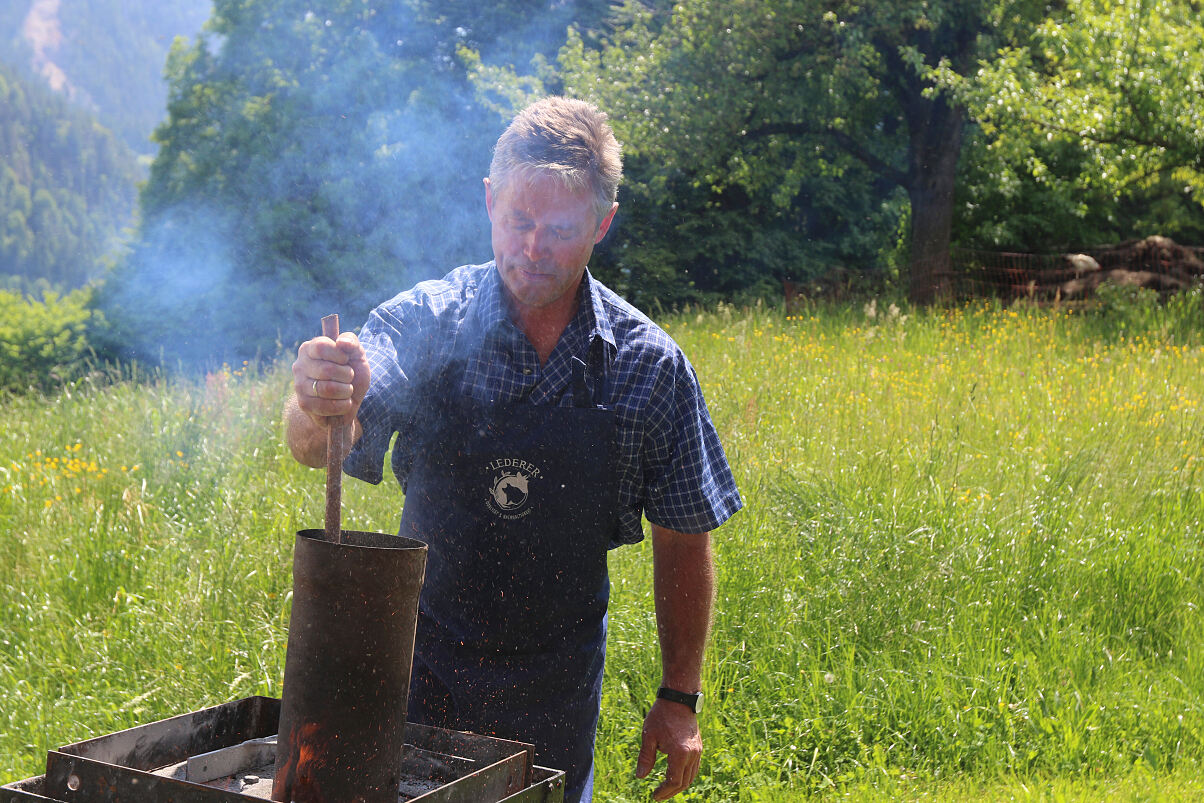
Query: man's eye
x=564 y=234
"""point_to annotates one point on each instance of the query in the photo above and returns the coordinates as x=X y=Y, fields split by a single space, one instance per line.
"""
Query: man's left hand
x=671 y=728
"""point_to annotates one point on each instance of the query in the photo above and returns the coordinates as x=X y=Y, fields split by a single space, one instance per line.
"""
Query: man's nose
x=535 y=244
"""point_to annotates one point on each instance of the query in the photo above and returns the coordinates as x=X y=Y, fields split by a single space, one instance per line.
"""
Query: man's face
x=543 y=235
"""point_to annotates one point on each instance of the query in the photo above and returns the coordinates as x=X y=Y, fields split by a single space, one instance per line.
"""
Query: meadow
x=970 y=565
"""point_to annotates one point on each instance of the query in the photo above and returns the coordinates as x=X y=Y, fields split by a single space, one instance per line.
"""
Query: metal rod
x=334 y=455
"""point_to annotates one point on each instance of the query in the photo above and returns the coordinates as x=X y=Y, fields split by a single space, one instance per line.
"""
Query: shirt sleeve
x=690 y=487
x=396 y=340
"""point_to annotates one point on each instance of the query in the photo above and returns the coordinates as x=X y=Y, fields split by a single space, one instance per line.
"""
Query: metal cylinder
x=347 y=669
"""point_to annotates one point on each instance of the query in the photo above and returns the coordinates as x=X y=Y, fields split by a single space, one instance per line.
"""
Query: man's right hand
x=330 y=379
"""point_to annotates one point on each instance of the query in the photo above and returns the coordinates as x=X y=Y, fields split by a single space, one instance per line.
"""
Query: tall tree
x=315 y=158
x=763 y=96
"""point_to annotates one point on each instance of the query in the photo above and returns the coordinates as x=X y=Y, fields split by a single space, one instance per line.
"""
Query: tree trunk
x=936 y=130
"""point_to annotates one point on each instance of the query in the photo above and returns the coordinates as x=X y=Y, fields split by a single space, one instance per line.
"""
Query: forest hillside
x=82 y=88
x=105 y=56
x=67 y=187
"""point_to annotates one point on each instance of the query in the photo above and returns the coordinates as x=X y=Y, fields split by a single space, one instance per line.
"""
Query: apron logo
x=510 y=487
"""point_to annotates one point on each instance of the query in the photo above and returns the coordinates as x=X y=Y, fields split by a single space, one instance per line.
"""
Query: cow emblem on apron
x=510 y=486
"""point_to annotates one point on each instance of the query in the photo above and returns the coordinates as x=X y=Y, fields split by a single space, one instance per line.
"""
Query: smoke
x=312 y=165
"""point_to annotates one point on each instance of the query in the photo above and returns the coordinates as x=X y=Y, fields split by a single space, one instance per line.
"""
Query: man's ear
x=488 y=199
x=604 y=226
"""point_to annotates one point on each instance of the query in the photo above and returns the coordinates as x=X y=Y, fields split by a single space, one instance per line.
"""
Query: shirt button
x=526 y=372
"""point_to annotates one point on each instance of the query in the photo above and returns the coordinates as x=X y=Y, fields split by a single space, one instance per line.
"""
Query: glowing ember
x=297 y=780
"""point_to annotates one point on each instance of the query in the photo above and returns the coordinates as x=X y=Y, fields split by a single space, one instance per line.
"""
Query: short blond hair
x=564 y=137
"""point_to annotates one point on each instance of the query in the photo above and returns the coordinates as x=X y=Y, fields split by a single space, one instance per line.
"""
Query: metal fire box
x=227 y=753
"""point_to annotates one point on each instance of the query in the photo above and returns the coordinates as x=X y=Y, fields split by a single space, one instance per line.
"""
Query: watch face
x=698 y=703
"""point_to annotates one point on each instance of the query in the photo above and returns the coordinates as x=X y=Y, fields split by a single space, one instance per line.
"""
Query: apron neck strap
x=598 y=365
x=581 y=394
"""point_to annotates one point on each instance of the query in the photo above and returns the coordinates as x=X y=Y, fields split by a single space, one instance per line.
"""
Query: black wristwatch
x=692 y=701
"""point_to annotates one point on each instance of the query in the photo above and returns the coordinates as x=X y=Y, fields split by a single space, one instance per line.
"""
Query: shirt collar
x=492 y=314
x=599 y=321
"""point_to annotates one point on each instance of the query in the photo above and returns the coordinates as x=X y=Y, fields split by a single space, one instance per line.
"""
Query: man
x=538 y=415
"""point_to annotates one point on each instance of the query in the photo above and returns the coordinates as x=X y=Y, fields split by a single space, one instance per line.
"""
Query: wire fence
x=1160 y=265
x=1155 y=262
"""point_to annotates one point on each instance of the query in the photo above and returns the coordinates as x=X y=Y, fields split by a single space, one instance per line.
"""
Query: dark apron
x=518 y=506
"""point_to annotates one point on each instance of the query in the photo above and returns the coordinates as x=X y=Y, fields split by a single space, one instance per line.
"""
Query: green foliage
x=679 y=238
x=718 y=199
x=1047 y=199
x=1121 y=311
x=43 y=343
x=1126 y=309
x=66 y=186
x=809 y=119
x=1091 y=129
x=312 y=161
x=821 y=120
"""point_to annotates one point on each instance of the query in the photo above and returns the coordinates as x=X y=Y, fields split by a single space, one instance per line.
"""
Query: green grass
x=969 y=567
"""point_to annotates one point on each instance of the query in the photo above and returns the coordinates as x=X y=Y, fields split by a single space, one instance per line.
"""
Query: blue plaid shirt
x=671 y=465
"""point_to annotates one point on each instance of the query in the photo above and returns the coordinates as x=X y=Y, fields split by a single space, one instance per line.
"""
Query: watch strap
x=691 y=701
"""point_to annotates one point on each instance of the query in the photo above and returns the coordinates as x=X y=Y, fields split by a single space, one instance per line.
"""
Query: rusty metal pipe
x=347 y=670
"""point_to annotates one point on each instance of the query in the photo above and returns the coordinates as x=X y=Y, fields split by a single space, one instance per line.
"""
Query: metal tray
x=148 y=764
